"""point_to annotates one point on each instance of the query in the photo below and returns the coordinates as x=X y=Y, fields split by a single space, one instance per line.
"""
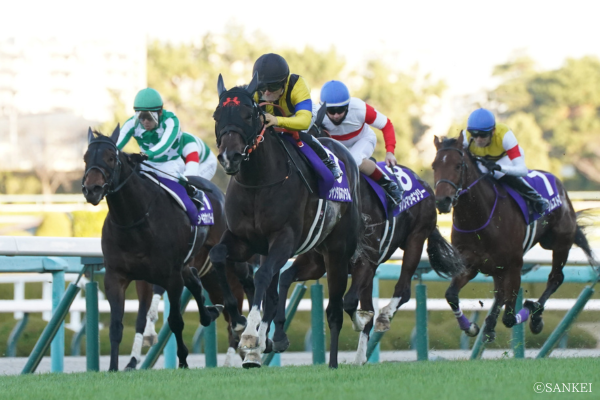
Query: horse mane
x=448 y=142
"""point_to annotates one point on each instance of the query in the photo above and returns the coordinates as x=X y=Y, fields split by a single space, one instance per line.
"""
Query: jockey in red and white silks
x=349 y=120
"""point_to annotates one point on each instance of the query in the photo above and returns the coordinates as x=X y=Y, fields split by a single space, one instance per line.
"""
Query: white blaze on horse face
x=225 y=162
x=361 y=352
x=444 y=159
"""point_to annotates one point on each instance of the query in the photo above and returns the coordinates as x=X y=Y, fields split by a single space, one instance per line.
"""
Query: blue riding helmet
x=481 y=120
x=335 y=94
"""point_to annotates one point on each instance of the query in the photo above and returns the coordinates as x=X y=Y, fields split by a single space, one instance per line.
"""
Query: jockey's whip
x=295 y=165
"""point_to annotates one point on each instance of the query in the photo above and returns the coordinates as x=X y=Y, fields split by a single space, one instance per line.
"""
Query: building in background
x=52 y=89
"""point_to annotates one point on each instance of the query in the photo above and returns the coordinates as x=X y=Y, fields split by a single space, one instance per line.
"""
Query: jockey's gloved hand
x=491 y=166
x=138 y=158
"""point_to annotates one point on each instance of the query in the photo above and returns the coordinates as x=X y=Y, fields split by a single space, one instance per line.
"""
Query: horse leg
x=150 y=335
x=306 y=266
x=511 y=285
x=337 y=281
x=115 y=286
x=410 y=261
x=458 y=282
x=207 y=313
x=174 y=290
x=555 y=279
x=245 y=276
x=362 y=277
x=235 y=249
x=144 y=292
x=366 y=303
x=489 y=332
x=253 y=339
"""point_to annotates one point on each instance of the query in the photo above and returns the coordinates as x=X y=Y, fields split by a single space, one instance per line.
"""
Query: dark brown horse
x=270 y=209
x=490 y=233
x=145 y=237
x=408 y=231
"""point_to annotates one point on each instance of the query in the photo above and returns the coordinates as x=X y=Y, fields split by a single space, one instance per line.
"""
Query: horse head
x=102 y=166
x=449 y=171
x=237 y=124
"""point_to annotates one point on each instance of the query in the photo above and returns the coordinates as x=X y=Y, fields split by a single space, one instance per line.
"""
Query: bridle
x=99 y=164
x=463 y=167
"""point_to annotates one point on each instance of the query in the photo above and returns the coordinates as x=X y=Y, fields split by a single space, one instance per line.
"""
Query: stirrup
x=332 y=166
x=540 y=206
x=198 y=197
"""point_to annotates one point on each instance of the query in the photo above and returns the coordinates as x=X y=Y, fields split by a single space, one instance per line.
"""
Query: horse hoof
x=249 y=342
x=252 y=360
x=281 y=345
x=268 y=346
x=473 y=330
x=183 y=366
x=489 y=337
x=360 y=319
x=536 y=325
x=382 y=323
x=150 y=341
x=132 y=364
x=232 y=359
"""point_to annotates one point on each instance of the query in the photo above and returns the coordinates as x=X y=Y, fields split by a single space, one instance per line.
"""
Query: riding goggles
x=337 y=110
x=147 y=115
x=271 y=87
x=479 y=133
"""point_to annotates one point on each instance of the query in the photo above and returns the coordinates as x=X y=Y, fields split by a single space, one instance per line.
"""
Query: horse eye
x=457 y=167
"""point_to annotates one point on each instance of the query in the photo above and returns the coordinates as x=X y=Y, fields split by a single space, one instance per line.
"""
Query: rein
x=460 y=191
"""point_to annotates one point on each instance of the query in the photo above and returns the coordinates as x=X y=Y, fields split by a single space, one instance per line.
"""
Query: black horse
x=145 y=236
x=408 y=231
x=270 y=206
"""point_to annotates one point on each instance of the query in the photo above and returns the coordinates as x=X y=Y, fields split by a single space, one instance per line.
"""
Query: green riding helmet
x=148 y=100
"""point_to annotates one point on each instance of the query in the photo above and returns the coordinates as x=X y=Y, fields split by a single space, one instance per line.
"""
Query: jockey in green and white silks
x=199 y=160
x=158 y=134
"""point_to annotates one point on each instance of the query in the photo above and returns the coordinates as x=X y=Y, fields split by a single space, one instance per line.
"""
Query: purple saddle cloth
x=414 y=191
x=545 y=184
x=204 y=216
x=329 y=188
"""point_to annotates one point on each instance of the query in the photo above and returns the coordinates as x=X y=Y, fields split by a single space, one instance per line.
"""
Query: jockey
x=199 y=160
x=157 y=133
x=290 y=91
x=347 y=120
x=500 y=152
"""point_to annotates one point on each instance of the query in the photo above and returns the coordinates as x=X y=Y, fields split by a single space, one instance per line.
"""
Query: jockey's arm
x=166 y=141
x=300 y=97
x=515 y=154
x=383 y=123
x=191 y=152
x=126 y=133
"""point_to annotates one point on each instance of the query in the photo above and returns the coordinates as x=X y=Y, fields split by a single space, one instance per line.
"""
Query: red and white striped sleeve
x=383 y=123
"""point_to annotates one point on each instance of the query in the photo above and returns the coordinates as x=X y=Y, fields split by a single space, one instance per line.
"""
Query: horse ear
x=253 y=85
x=321 y=114
x=221 y=85
x=115 y=135
x=437 y=142
x=461 y=139
x=90 y=135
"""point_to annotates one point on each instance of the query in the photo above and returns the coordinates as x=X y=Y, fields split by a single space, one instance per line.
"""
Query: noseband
x=99 y=164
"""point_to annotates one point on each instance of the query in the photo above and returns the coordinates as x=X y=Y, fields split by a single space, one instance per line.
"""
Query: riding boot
x=520 y=185
x=196 y=195
x=322 y=154
x=393 y=190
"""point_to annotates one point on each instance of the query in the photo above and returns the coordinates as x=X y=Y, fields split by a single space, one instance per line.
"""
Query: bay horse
x=145 y=236
x=491 y=234
x=270 y=206
x=408 y=231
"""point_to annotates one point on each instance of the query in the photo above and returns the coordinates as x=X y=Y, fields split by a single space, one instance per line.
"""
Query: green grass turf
x=482 y=379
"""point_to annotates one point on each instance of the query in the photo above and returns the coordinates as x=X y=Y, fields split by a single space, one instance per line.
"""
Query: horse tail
x=583 y=221
x=443 y=256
